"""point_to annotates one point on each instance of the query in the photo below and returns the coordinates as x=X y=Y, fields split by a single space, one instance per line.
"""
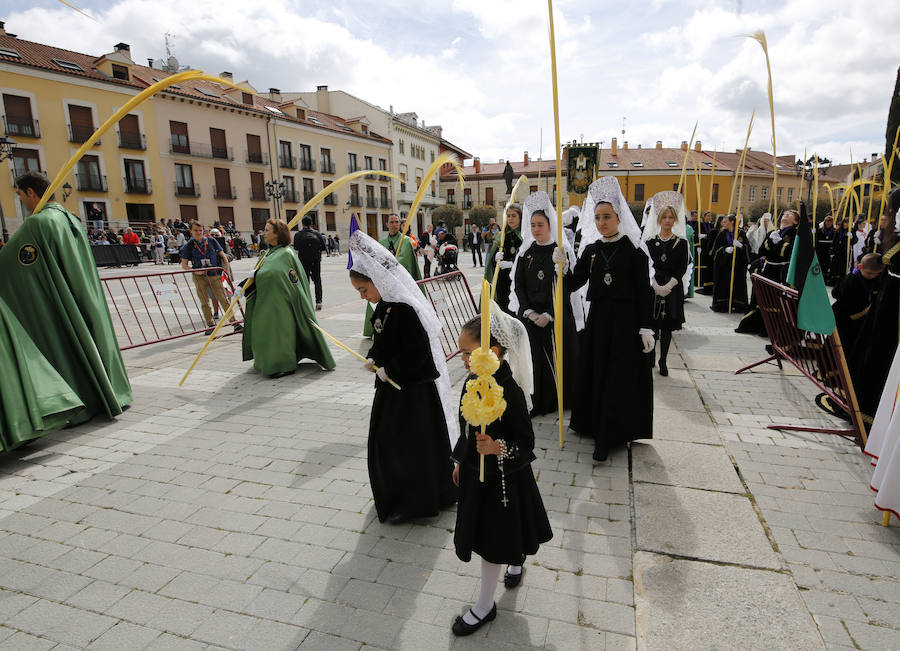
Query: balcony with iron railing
x=137 y=186
x=258 y=194
x=466 y=204
x=80 y=133
x=308 y=194
x=355 y=200
x=288 y=162
x=307 y=164
x=185 y=147
x=131 y=140
x=258 y=157
x=91 y=183
x=224 y=192
x=451 y=201
x=21 y=127
x=384 y=202
x=291 y=196
x=402 y=186
x=371 y=202
x=372 y=176
x=352 y=167
x=327 y=166
x=186 y=190
x=330 y=200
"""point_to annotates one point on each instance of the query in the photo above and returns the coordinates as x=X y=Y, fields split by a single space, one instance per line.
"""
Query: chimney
x=659 y=144
x=625 y=146
x=226 y=75
x=698 y=146
x=477 y=165
x=149 y=62
x=874 y=157
x=684 y=145
x=323 y=101
x=639 y=145
x=122 y=47
x=613 y=147
x=2 y=28
x=274 y=94
x=526 y=158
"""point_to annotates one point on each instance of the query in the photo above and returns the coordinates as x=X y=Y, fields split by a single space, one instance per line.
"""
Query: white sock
x=514 y=569
x=490 y=574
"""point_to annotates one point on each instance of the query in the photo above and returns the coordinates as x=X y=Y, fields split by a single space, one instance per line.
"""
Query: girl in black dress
x=412 y=430
x=729 y=253
x=534 y=276
x=501 y=519
x=664 y=234
x=774 y=261
x=703 y=239
x=840 y=253
x=825 y=244
x=613 y=401
x=501 y=261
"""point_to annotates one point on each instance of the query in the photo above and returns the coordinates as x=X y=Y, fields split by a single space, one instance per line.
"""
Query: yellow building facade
x=52 y=101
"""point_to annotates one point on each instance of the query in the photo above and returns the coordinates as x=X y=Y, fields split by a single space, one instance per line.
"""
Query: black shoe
x=238 y=327
x=601 y=453
x=663 y=369
x=216 y=316
x=209 y=330
x=461 y=628
x=513 y=580
x=398 y=518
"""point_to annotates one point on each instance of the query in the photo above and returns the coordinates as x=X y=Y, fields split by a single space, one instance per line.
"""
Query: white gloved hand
x=672 y=284
x=559 y=255
x=729 y=249
x=253 y=274
x=369 y=365
x=542 y=320
x=656 y=287
x=775 y=236
x=505 y=265
x=648 y=342
x=499 y=256
x=239 y=292
x=739 y=244
x=664 y=291
x=381 y=374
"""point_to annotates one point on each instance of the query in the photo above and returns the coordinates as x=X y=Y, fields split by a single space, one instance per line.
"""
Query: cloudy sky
x=481 y=69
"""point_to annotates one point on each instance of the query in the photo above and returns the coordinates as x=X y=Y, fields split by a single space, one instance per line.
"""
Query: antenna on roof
x=623 y=125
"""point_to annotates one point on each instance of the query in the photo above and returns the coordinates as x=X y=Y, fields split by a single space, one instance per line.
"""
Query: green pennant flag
x=814 y=312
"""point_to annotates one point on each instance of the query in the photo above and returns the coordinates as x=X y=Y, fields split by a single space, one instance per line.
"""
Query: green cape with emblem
x=50 y=282
x=407 y=260
x=34 y=399
x=277 y=333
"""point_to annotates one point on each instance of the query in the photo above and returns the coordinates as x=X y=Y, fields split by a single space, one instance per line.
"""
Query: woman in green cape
x=277 y=330
x=34 y=399
x=501 y=261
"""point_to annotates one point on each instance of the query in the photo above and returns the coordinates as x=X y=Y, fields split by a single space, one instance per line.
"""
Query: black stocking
x=665 y=339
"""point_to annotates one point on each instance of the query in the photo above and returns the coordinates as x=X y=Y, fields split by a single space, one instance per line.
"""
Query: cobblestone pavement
x=235 y=512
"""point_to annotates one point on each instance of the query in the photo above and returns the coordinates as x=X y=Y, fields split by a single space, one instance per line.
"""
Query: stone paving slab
x=700 y=524
x=685 y=604
x=690 y=465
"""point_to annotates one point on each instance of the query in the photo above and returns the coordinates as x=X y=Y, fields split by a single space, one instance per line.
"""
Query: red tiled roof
x=38 y=55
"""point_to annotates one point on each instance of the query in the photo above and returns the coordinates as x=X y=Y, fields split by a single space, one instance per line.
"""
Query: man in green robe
x=277 y=316
x=407 y=259
x=49 y=280
x=34 y=399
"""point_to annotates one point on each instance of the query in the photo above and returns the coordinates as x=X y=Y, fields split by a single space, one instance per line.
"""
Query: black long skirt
x=668 y=311
x=613 y=399
x=499 y=534
x=873 y=351
x=541 y=340
x=723 y=286
x=409 y=452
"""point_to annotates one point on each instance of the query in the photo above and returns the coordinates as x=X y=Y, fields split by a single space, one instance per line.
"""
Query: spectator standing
x=476 y=243
x=309 y=245
x=204 y=254
x=337 y=244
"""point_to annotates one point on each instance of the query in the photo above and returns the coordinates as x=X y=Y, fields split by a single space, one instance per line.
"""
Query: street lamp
x=67 y=191
x=275 y=190
x=808 y=170
x=7 y=145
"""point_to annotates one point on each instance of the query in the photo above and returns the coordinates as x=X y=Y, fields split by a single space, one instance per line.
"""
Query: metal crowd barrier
x=453 y=301
x=150 y=308
x=818 y=357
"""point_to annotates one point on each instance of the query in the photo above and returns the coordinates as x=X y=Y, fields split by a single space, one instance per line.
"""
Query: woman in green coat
x=277 y=330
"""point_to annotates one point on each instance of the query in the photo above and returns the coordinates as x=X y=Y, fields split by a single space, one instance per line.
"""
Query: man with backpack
x=309 y=245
